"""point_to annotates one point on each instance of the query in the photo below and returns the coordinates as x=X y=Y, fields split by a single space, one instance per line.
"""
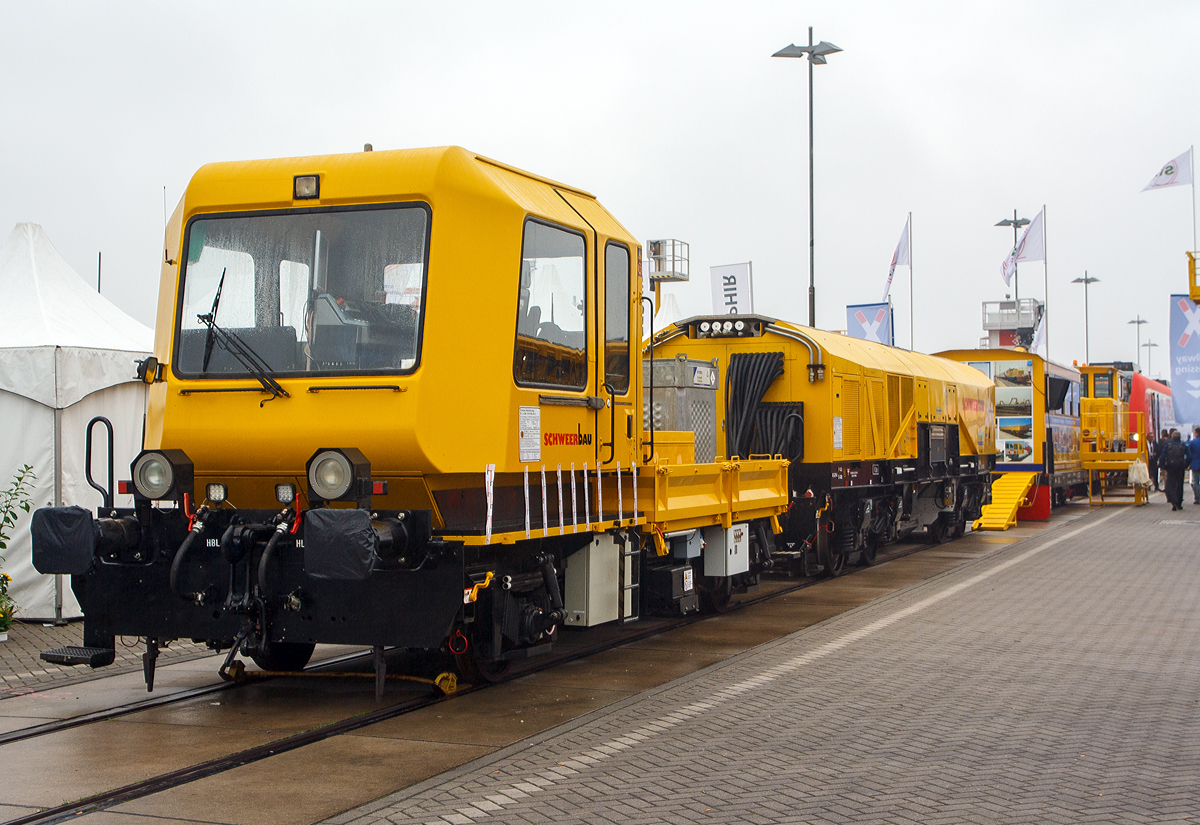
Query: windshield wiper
x=209 y=340
x=235 y=346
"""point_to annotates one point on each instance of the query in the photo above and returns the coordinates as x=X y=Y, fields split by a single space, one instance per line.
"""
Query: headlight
x=727 y=326
x=704 y=326
x=162 y=474
x=338 y=474
x=285 y=493
x=153 y=476
x=216 y=492
x=330 y=474
x=739 y=325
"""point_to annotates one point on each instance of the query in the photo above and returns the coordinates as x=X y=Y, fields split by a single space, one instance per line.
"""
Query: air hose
x=196 y=529
x=264 y=561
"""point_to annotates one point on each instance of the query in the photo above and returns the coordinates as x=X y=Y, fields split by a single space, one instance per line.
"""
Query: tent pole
x=58 y=502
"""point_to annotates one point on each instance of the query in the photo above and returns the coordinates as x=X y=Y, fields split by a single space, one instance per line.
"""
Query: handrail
x=87 y=460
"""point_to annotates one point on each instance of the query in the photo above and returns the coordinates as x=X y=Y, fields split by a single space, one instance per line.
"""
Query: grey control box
x=685 y=399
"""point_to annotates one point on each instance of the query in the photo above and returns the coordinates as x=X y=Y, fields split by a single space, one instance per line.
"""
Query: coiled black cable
x=749 y=376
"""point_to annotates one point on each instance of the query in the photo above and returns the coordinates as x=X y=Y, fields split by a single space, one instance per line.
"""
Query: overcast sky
x=674 y=115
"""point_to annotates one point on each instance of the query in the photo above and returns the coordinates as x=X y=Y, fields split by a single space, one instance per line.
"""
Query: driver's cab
x=1105 y=391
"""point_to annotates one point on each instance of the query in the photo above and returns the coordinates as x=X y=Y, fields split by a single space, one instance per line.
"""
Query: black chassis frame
x=128 y=591
x=842 y=484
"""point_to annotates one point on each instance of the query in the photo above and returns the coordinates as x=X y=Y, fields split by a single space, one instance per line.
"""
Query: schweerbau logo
x=575 y=439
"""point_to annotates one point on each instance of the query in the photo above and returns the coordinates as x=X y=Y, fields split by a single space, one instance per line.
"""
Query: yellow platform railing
x=1108 y=468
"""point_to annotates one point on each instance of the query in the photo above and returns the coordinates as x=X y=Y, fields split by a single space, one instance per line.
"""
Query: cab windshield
x=330 y=291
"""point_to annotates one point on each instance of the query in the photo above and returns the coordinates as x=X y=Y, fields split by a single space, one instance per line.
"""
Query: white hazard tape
x=620 y=497
x=599 y=497
x=560 y=502
x=526 y=502
x=587 y=502
x=489 y=476
x=574 y=507
x=633 y=469
x=545 y=517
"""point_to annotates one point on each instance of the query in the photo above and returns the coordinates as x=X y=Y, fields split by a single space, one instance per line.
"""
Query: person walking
x=1175 y=461
x=1152 y=449
x=1193 y=448
x=1160 y=447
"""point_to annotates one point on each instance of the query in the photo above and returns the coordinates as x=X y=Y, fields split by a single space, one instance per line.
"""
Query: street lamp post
x=1138 y=321
x=1149 y=351
x=1085 y=280
x=815 y=54
x=1015 y=223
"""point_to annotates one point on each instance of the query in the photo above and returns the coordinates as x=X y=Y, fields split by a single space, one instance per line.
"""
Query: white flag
x=1031 y=247
x=1177 y=172
x=900 y=257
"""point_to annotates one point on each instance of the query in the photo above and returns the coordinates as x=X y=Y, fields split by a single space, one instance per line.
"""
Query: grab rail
x=87 y=460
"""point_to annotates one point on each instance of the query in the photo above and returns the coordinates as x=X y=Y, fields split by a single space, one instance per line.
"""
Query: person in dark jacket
x=1193 y=448
x=1159 y=447
x=1153 y=447
x=1175 y=461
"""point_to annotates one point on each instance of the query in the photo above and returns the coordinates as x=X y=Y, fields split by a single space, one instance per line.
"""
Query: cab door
x=624 y=419
x=618 y=374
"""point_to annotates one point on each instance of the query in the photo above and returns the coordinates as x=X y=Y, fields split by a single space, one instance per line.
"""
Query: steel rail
x=217 y=765
x=57 y=725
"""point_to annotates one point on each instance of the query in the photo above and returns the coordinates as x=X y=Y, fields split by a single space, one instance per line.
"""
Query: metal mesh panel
x=703 y=420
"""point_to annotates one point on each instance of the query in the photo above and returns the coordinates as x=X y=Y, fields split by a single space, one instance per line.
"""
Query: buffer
x=1008 y=493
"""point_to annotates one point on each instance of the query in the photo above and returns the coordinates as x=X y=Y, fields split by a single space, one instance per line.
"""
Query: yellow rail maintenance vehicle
x=882 y=441
x=1104 y=406
x=392 y=403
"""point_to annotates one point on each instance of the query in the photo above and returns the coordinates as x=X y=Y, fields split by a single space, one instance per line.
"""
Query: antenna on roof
x=99 y=260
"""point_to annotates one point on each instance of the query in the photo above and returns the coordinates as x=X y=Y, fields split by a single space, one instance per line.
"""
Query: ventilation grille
x=893 y=407
x=877 y=416
x=851 y=418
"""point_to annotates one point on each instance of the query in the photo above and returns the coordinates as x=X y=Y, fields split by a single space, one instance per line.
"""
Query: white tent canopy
x=66 y=355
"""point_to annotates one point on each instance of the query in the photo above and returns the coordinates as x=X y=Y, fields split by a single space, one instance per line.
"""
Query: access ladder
x=1008 y=494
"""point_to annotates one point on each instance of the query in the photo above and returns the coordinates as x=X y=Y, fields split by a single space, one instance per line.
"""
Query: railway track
x=217 y=765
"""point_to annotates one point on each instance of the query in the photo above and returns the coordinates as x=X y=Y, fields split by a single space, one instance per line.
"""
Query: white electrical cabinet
x=727 y=552
x=593 y=589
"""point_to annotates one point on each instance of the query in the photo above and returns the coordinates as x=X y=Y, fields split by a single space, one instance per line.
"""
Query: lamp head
x=815 y=53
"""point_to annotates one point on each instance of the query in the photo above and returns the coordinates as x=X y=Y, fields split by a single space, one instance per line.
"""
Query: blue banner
x=1185 y=359
x=871 y=322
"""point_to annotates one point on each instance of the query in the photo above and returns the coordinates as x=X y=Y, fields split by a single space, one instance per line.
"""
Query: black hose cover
x=64 y=541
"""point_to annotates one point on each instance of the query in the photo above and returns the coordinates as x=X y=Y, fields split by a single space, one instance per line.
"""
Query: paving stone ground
x=1054 y=681
x=22 y=671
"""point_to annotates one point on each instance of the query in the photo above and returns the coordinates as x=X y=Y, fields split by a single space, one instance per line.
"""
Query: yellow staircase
x=1008 y=493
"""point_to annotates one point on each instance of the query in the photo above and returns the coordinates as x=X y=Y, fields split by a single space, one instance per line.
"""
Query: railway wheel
x=835 y=562
x=716 y=593
x=936 y=532
x=284 y=656
x=870 y=551
x=478 y=671
x=959 y=528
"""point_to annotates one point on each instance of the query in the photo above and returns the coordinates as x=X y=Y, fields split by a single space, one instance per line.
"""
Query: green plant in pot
x=14 y=500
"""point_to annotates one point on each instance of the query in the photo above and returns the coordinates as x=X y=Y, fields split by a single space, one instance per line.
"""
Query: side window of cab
x=551 y=339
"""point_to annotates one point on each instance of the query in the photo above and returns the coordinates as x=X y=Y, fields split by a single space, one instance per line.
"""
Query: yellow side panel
x=721 y=492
